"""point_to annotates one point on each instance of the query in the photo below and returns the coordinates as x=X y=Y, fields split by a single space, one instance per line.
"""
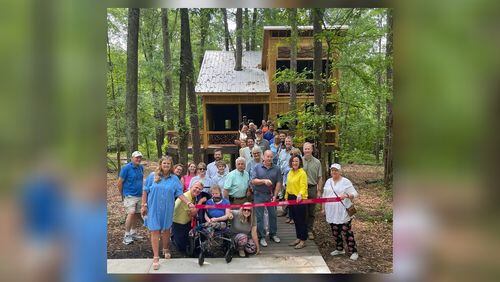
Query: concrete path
x=309 y=264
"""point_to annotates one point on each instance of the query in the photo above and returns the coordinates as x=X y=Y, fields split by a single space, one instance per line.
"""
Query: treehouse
x=228 y=95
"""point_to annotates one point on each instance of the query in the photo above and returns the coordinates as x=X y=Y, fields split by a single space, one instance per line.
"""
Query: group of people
x=167 y=199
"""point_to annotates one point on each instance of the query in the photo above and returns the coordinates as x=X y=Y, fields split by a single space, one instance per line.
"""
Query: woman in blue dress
x=158 y=198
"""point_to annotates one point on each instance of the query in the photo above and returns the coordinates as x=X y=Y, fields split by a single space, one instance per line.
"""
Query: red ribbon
x=270 y=204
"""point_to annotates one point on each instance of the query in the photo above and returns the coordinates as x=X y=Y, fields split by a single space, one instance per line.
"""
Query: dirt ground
x=372 y=226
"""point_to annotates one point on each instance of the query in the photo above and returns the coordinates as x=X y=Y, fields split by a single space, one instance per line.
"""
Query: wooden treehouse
x=228 y=95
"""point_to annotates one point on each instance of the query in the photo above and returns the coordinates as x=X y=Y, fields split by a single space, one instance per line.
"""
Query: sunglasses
x=246 y=210
x=202 y=168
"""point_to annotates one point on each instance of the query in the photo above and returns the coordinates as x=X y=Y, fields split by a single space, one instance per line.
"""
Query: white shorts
x=132 y=204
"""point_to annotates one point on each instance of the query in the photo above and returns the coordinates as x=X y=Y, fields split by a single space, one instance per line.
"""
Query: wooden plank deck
x=286 y=232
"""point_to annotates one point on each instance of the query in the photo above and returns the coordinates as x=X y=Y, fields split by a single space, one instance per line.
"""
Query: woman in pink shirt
x=186 y=179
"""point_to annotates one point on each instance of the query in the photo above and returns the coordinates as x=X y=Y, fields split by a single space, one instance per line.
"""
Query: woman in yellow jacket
x=296 y=189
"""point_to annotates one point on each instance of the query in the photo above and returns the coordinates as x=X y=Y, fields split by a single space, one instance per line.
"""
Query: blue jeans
x=259 y=213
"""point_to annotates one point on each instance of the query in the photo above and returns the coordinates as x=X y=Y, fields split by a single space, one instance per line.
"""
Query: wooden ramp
x=286 y=232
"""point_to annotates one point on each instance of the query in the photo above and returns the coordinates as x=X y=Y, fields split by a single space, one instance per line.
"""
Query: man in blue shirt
x=269 y=135
x=130 y=186
x=266 y=181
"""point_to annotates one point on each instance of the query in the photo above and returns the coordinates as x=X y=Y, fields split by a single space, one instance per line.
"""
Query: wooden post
x=205 y=124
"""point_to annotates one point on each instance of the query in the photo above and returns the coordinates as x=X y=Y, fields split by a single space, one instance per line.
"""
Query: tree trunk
x=132 y=74
x=378 y=106
x=148 y=155
x=388 y=157
x=239 y=39
x=254 y=30
x=247 y=31
x=182 y=127
x=188 y=72
x=318 y=81
x=167 y=68
x=293 y=62
x=318 y=53
x=204 y=23
x=226 y=29
x=115 y=108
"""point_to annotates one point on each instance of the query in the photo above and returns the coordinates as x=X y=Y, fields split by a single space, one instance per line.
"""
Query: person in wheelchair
x=217 y=218
x=213 y=235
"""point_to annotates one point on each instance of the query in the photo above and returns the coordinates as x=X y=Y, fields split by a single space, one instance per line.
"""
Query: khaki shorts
x=132 y=204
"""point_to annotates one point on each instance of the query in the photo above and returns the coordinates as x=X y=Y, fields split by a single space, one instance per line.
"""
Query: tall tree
x=187 y=70
x=239 y=39
x=167 y=69
x=132 y=74
x=149 y=39
x=292 y=13
x=246 y=25
x=115 y=107
x=388 y=156
x=182 y=127
x=205 y=16
x=226 y=28
x=253 y=30
x=378 y=103
x=318 y=60
x=317 y=15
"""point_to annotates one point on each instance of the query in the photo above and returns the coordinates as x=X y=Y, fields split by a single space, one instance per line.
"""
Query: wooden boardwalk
x=286 y=232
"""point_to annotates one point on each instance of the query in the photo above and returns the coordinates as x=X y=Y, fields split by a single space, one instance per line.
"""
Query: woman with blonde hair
x=244 y=226
x=158 y=196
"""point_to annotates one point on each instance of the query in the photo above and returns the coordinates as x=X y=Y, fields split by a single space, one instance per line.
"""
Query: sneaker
x=337 y=252
x=263 y=242
x=136 y=236
x=127 y=239
x=310 y=235
x=242 y=253
x=354 y=256
x=276 y=239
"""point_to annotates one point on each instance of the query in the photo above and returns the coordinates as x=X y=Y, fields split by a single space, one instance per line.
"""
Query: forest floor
x=372 y=226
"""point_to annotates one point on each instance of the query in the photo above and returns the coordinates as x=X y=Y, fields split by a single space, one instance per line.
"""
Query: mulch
x=372 y=226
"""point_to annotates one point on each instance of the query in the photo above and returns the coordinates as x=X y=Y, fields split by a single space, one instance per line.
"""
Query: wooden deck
x=286 y=232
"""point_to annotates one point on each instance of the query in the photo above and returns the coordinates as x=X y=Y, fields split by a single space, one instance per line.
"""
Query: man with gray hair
x=256 y=159
x=266 y=181
x=312 y=167
x=236 y=183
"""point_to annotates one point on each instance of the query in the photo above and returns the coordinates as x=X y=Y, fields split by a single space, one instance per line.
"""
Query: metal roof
x=217 y=74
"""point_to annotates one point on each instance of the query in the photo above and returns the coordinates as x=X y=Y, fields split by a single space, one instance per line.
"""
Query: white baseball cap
x=136 y=154
x=336 y=166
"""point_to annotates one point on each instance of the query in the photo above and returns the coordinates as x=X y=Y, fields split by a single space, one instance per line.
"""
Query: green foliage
x=308 y=123
x=287 y=75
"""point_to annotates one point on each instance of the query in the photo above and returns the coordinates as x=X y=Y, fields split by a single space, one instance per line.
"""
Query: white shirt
x=246 y=153
x=212 y=169
x=335 y=212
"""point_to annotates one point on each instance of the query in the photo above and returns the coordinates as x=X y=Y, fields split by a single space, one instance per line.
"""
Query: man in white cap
x=130 y=186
